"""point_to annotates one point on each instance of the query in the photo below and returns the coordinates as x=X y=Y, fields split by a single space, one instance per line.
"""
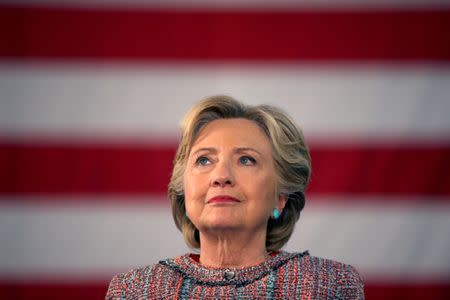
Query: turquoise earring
x=276 y=213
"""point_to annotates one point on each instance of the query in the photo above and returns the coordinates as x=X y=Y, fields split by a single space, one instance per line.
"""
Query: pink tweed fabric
x=283 y=276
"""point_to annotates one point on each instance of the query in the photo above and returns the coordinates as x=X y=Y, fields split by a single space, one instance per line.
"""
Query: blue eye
x=202 y=161
x=247 y=160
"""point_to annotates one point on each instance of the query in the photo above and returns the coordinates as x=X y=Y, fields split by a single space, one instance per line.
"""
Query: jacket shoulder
x=135 y=283
x=343 y=280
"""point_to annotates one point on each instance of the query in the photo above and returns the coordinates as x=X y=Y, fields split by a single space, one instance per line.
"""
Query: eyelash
x=198 y=160
x=251 y=159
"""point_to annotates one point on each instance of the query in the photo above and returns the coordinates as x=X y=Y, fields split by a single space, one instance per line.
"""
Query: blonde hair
x=290 y=154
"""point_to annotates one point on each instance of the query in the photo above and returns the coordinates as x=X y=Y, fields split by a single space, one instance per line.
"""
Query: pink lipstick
x=223 y=199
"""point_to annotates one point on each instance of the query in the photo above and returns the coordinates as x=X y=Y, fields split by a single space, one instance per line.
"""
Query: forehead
x=232 y=132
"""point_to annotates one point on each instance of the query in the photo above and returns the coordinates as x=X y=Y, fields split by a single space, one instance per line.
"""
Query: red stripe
x=418 y=291
x=136 y=169
x=84 y=169
x=19 y=291
x=97 y=291
x=390 y=169
x=145 y=34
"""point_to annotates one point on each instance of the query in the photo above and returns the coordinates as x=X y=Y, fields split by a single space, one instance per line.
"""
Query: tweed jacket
x=283 y=276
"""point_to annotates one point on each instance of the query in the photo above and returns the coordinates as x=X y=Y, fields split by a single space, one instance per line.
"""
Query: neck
x=232 y=249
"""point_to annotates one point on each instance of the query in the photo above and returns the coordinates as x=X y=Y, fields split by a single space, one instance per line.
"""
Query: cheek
x=190 y=185
x=257 y=182
x=265 y=189
x=194 y=189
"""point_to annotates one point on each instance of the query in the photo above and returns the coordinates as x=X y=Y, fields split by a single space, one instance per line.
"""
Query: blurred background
x=92 y=92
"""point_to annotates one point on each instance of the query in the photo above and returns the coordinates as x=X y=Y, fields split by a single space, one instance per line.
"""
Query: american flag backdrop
x=91 y=93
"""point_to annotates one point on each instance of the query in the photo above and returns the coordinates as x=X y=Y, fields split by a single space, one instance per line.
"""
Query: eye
x=202 y=161
x=247 y=160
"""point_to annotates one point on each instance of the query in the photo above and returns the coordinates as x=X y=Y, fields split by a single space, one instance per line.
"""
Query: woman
x=237 y=189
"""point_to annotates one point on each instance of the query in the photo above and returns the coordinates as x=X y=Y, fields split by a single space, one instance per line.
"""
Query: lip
x=223 y=199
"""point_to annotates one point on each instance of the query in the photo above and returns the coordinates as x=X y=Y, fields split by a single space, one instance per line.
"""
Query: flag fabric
x=91 y=94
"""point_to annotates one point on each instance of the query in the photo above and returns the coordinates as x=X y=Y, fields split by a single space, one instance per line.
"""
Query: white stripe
x=328 y=101
x=87 y=239
x=409 y=240
x=244 y=4
x=83 y=240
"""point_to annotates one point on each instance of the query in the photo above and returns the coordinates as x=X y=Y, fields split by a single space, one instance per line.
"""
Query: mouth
x=223 y=200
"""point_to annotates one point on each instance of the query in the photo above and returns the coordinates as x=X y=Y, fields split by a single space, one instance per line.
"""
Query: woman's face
x=230 y=181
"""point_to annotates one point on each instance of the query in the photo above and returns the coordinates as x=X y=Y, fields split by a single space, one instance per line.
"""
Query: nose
x=222 y=175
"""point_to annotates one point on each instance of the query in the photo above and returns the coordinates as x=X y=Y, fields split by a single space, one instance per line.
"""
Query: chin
x=222 y=223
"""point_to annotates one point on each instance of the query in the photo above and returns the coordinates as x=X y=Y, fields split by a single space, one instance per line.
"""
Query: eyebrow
x=207 y=149
x=236 y=150
x=244 y=149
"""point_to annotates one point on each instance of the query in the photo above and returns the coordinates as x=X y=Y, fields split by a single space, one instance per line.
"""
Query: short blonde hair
x=290 y=154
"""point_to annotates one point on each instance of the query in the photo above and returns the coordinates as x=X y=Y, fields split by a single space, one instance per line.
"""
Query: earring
x=276 y=213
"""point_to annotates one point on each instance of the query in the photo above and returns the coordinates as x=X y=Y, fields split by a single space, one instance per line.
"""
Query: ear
x=282 y=199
